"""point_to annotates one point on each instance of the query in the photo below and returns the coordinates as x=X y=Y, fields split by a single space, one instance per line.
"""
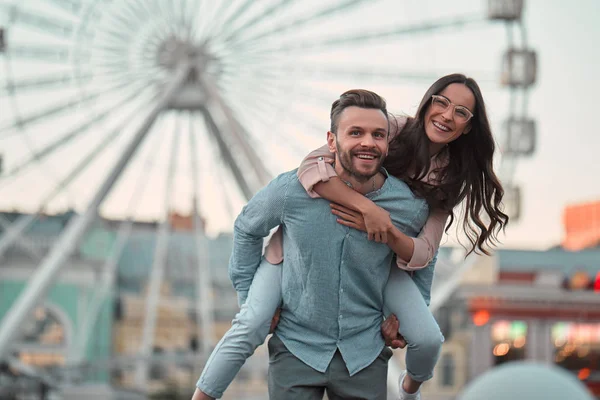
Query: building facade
x=542 y=306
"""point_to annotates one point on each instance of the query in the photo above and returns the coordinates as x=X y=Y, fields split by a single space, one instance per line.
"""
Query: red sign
x=582 y=226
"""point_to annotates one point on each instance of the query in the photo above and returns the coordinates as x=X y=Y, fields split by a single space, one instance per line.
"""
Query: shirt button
x=341 y=290
x=340 y=317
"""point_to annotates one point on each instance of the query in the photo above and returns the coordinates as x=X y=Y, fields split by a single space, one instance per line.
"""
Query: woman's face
x=443 y=126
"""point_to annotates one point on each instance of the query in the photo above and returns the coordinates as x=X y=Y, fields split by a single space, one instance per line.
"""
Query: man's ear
x=331 y=141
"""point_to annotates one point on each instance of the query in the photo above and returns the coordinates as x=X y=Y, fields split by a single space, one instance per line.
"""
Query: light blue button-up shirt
x=332 y=277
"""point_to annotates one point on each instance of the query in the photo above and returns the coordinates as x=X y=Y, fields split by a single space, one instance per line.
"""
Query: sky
x=563 y=102
x=564 y=170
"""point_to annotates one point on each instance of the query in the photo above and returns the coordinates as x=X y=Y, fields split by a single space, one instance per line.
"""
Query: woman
x=445 y=154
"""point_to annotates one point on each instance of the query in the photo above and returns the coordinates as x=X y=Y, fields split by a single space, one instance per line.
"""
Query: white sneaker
x=403 y=394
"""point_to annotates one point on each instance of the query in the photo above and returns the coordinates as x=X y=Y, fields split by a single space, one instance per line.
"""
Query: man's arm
x=262 y=213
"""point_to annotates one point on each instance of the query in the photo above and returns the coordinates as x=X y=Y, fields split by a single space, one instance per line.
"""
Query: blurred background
x=132 y=132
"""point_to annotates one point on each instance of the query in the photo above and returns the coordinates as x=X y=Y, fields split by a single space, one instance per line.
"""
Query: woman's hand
x=375 y=221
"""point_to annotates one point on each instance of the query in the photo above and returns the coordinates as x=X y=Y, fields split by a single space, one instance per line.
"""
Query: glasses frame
x=439 y=96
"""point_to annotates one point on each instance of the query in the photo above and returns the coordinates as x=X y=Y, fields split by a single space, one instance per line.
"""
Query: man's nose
x=368 y=141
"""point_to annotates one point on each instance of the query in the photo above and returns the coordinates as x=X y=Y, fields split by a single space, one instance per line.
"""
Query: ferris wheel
x=136 y=108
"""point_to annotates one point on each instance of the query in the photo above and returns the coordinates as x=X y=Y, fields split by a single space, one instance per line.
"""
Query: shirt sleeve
x=427 y=243
x=262 y=213
x=316 y=167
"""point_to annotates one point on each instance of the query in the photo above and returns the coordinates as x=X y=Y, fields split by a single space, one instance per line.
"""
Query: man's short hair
x=356 y=98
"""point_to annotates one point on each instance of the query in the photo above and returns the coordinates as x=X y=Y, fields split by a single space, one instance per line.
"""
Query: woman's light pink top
x=317 y=167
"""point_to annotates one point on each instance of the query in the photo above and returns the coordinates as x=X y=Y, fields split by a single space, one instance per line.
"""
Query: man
x=328 y=337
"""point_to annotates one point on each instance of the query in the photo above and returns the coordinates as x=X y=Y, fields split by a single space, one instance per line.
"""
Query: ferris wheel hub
x=173 y=51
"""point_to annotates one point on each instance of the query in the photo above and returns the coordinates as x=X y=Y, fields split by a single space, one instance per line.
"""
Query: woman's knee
x=430 y=342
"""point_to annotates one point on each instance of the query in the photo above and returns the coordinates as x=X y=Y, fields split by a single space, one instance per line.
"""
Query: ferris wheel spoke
x=204 y=280
x=55 y=55
x=226 y=122
x=163 y=9
x=116 y=51
x=129 y=21
x=384 y=34
x=25 y=221
x=116 y=36
x=95 y=152
x=191 y=15
x=60 y=28
x=71 y=6
x=109 y=268
x=71 y=236
x=229 y=22
x=263 y=114
x=379 y=74
x=175 y=9
x=344 y=5
x=25 y=243
x=208 y=24
x=246 y=187
x=158 y=267
x=183 y=20
x=43 y=82
x=257 y=19
x=61 y=108
x=116 y=71
x=67 y=138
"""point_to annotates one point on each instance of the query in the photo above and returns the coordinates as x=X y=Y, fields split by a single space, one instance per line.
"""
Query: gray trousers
x=290 y=378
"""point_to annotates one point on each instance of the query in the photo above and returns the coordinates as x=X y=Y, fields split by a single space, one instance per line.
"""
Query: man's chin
x=364 y=176
x=366 y=173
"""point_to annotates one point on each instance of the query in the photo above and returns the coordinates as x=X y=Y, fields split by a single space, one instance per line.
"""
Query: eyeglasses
x=461 y=113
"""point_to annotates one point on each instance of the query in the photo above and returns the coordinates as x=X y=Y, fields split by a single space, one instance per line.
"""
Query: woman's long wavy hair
x=468 y=175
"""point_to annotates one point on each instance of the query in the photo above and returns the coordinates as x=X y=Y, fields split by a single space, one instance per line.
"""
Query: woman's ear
x=467 y=129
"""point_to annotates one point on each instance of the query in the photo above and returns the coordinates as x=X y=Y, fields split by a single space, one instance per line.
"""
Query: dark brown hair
x=468 y=175
x=358 y=98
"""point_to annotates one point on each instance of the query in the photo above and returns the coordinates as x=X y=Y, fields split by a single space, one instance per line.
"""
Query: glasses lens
x=440 y=102
x=461 y=113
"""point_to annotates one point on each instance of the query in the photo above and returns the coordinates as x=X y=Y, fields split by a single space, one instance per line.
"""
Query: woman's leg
x=417 y=325
x=249 y=329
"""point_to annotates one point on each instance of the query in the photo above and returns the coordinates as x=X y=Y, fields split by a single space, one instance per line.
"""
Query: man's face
x=361 y=143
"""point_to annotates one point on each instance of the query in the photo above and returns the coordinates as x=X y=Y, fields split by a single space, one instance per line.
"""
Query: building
x=55 y=329
x=522 y=305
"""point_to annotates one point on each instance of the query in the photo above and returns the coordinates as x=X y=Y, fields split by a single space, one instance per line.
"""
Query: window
x=44 y=328
x=509 y=339
x=43 y=340
x=577 y=348
x=448 y=366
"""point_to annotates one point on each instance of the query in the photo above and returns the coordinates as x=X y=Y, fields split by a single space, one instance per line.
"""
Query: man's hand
x=275 y=320
x=389 y=331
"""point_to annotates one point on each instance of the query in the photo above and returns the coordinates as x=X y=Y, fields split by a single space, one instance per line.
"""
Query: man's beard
x=345 y=159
